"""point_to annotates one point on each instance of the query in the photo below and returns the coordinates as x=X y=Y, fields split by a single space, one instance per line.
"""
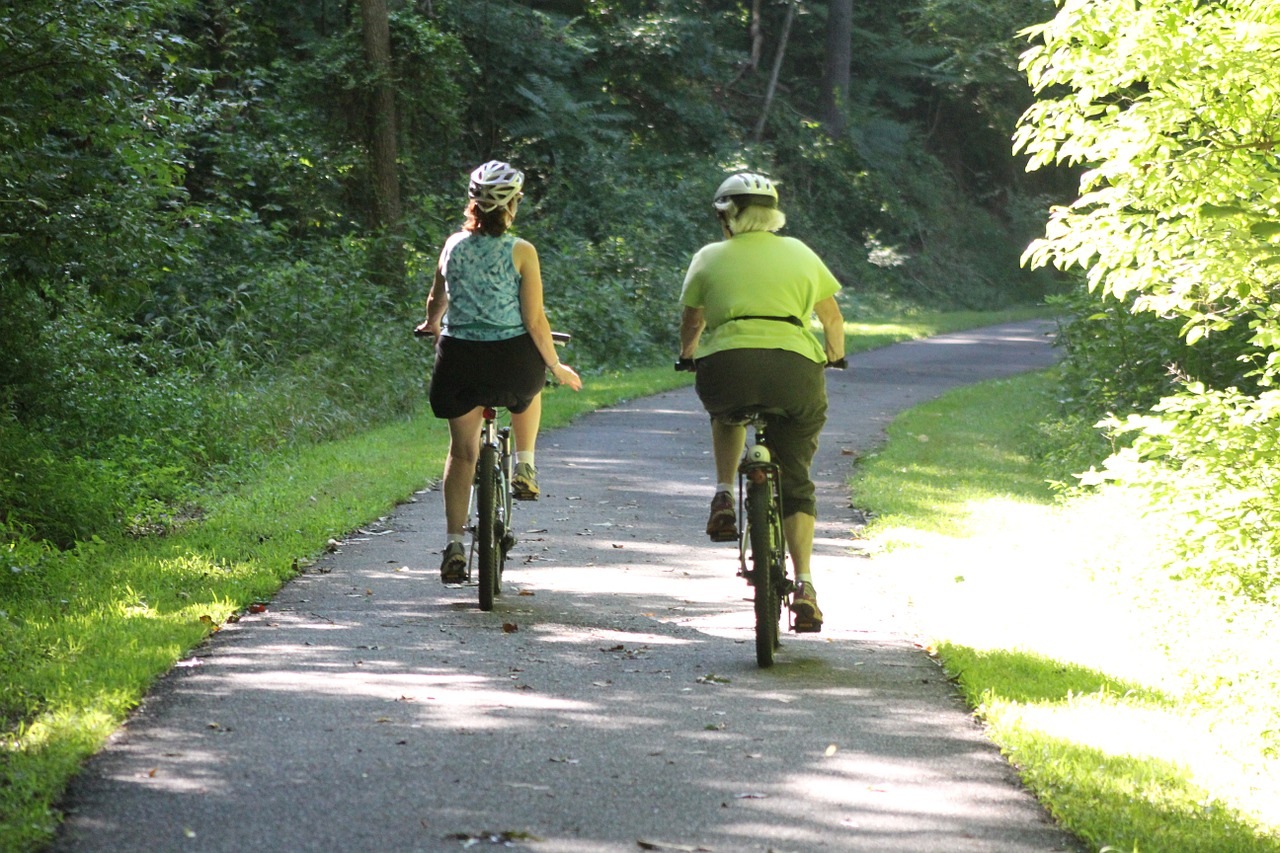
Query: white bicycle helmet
x=759 y=188
x=495 y=184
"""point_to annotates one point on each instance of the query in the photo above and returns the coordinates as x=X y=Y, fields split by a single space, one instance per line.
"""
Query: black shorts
x=787 y=382
x=504 y=374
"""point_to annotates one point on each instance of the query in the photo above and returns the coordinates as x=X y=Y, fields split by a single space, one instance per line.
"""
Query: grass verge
x=83 y=634
x=1143 y=712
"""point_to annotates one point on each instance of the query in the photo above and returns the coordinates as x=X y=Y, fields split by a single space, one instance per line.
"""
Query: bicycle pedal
x=807 y=626
x=749 y=577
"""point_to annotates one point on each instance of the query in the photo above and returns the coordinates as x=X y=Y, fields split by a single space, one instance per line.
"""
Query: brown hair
x=490 y=223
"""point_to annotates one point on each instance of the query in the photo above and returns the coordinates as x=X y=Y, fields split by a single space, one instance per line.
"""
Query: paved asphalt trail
x=610 y=702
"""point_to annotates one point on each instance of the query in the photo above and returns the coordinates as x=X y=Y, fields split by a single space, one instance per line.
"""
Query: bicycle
x=761 y=535
x=490 y=509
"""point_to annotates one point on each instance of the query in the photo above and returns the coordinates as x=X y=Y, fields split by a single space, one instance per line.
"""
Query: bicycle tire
x=764 y=533
x=489 y=545
x=504 y=535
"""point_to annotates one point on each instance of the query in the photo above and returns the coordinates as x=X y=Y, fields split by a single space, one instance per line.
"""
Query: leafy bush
x=1214 y=456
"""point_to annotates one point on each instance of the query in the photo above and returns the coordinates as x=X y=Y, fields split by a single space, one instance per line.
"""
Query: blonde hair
x=754 y=217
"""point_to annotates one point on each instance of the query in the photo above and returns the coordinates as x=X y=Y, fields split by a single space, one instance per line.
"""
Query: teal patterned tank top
x=484 y=288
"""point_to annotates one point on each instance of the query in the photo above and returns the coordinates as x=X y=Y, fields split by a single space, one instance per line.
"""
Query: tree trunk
x=834 y=99
x=777 y=69
x=382 y=143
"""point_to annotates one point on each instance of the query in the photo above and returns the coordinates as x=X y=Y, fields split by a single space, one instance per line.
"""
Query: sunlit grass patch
x=1141 y=710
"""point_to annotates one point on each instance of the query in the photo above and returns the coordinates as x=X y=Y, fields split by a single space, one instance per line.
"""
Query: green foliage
x=1216 y=455
x=92 y=116
x=184 y=252
x=1170 y=107
x=1179 y=200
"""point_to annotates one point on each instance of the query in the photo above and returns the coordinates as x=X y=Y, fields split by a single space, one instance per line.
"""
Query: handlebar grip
x=685 y=365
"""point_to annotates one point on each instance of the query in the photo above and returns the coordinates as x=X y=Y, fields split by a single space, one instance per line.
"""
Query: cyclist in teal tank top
x=747 y=303
x=493 y=345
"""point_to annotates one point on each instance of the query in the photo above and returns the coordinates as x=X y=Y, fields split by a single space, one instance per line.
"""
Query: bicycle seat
x=744 y=416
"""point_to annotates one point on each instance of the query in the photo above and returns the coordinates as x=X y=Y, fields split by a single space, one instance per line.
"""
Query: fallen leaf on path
x=209 y=623
x=666 y=845
x=712 y=678
x=751 y=796
x=510 y=627
x=527 y=592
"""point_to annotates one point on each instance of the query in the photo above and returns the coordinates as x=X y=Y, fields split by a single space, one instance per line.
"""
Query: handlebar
x=687 y=365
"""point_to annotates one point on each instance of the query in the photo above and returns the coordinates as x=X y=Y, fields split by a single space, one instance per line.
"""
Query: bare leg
x=525 y=426
x=727 y=441
x=797 y=528
x=460 y=468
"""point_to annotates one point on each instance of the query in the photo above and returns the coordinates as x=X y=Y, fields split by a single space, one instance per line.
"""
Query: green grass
x=865 y=332
x=1144 y=712
x=66 y=617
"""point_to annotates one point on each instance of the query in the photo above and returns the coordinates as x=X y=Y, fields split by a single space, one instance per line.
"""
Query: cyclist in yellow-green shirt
x=747 y=304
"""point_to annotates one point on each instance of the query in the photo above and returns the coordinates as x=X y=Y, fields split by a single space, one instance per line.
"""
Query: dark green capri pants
x=795 y=386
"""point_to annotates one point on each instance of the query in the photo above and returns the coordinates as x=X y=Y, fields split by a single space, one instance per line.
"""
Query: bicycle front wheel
x=764 y=531
x=489 y=546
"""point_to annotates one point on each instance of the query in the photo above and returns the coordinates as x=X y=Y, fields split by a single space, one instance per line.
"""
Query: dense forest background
x=218 y=217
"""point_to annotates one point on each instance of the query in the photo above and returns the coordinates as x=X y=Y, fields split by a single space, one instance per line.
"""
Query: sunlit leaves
x=1171 y=106
x=1173 y=109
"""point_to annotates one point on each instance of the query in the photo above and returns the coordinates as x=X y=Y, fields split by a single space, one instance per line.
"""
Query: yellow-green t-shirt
x=757 y=274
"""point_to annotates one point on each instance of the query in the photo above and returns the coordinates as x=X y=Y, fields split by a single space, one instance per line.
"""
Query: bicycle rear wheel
x=764 y=531
x=489 y=544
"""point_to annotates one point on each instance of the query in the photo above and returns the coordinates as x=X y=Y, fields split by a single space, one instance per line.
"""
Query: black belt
x=795 y=321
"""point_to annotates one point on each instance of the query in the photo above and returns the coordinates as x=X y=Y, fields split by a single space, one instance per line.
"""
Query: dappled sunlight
x=576 y=634
x=1198 y=747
